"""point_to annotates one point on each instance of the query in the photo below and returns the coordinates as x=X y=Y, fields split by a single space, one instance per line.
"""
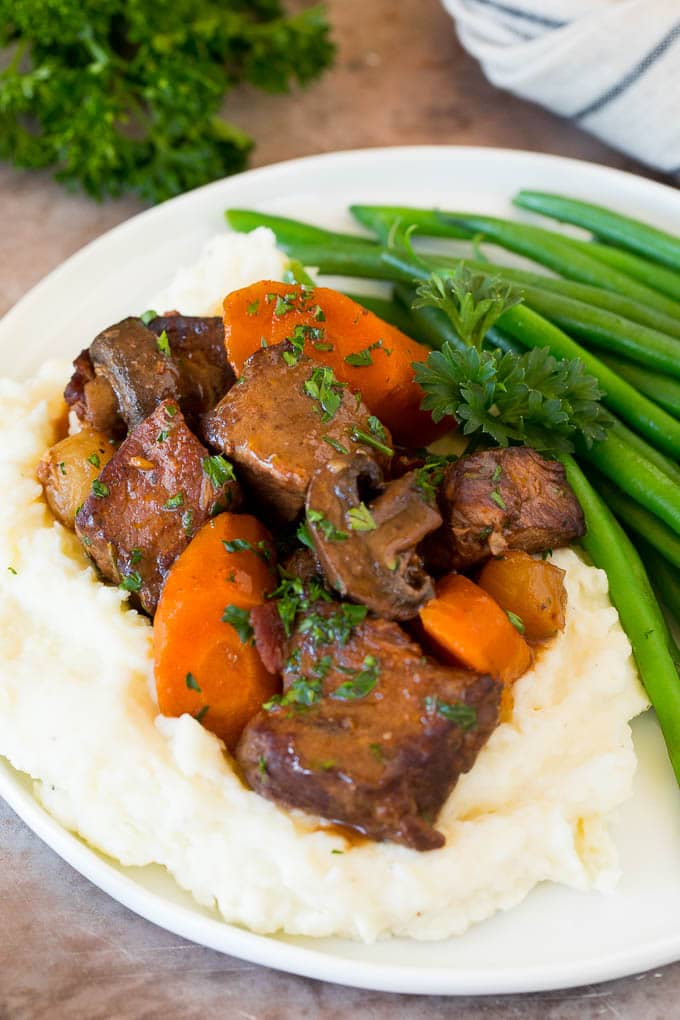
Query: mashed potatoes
x=77 y=714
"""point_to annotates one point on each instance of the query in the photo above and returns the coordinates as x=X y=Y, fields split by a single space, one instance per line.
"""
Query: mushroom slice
x=368 y=550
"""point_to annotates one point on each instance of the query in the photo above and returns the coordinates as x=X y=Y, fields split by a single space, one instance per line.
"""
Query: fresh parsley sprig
x=503 y=398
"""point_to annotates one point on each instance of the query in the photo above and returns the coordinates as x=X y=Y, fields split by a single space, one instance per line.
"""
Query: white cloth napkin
x=611 y=66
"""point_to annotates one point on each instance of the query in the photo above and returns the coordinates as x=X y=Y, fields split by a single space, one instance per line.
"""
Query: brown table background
x=67 y=950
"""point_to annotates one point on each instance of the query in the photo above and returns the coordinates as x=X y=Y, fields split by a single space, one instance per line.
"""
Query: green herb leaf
x=94 y=460
x=162 y=436
x=457 y=712
x=336 y=445
x=323 y=387
x=359 y=436
x=361 y=519
x=321 y=523
x=192 y=683
x=253 y=307
x=174 y=502
x=163 y=344
x=135 y=555
x=201 y=714
x=516 y=621
x=240 y=621
x=100 y=489
x=496 y=498
x=147 y=316
x=218 y=470
x=361 y=684
x=131 y=582
x=472 y=301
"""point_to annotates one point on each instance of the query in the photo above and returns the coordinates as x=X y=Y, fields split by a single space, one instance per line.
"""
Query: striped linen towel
x=612 y=66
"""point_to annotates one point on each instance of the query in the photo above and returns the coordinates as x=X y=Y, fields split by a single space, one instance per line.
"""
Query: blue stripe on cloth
x=536 y=19
x=632 y=76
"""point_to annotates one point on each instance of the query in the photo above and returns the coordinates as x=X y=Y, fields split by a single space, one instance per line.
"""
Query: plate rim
x=268 y=950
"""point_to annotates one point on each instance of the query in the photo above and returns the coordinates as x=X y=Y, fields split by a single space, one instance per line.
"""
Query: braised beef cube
x=92 y=400
x=150 y=499
x=368 y=733
x=283 y=420
x=503 y=499
x=197 y=346
x=140 y=372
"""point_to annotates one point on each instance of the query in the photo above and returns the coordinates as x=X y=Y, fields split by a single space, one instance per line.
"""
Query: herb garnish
x=458 y=712
x=362 y=358
x=240 y=620
x=163 y=344
x=516 y=621
x=336 y=626
x=135 y=555
x=359 y=436
x=361 y=518
x=147 y=316
x=93 y=459
x=201 y=714
x=323 y=387
x=336 y=445
x=253 y=307
x=131 y=582
x=62 y=467
x=174 y=502
x=260 y=549
x=162 y=436
x=218 y=470
x=187 y=519
x=13 y=570
x=361 y=684
x=192 y=683
x=377 y=752
x=496 y=498
x=530 y=398
x=100 y=489
x=327 y=529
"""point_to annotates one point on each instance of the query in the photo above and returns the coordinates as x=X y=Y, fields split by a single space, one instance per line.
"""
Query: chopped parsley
x=457 y=712
x=174 y=502
x=336 y=626
x=187 y=520
x=318 y=313
x=13 y=570
x=163 y=344
x=496 y=498
x=430 y=476
x=337 y=446
x=170 y=410
x=495 y=477
x=147 y=316
x=361 y=684
x=377 y=752
x=262 y=765
x=323 y=387
x=360 y=436
x=239 y=619
x=293 y=597
x=361 y=518
x=62 y=467
x=303 y=692
x=359 y=359
x=253 y=307
x=162 y=435
x=516 y=621
x=304 y=535
x=94 y=460
x=284 y=303
x=131 y=582
x=261 y=549
x=321 y=523
x=100 y=489
x=192 y=683
x=135 y=555
x=218 y=470
x=201 y=714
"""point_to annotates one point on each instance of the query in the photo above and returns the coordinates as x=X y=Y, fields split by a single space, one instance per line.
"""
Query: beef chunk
x=503 y=499
x=282 y=421
x=369 y=733
x=150 y=499
x=91 y=398
x=197 y=346
x=141 y=375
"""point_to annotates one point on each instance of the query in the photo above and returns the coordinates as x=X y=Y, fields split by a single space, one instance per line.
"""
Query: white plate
x=557 y=937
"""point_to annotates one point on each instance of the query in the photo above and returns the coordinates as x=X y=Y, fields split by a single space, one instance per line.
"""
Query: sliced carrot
x=466 y=626
x=202 y=665
x=335 y=328
x=533 y=590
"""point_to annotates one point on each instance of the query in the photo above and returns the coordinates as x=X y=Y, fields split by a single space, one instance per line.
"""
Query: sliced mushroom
x=368 y=550
x=140 y=373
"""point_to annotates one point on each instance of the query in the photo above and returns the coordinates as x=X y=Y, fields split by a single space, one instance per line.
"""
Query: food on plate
x=297 y=704
x=69 y=468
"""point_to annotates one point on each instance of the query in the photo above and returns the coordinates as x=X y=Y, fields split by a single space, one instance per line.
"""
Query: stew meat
x=284 y=420
x=502 y=499
x=148 y=502
x=368 y=733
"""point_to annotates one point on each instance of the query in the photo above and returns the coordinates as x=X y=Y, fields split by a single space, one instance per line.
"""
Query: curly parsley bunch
x=123 y=95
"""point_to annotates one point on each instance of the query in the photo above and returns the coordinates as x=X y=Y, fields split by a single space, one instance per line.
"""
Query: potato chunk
x=68 y=468
x=531 y=589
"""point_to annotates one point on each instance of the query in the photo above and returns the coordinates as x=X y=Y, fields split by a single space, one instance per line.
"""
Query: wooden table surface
x=67 y=950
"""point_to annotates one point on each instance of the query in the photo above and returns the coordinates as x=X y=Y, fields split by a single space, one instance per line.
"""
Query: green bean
x=564 y=255
x=531 y=330
x=381 y=218
x=637 y=519
x=663 y=576
x=646 y=482
x=650 y=453
x=665 y=281
x=285 y=228
x=602 y=329
x=610 y=549
x=623 y=231
x=663 y=391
